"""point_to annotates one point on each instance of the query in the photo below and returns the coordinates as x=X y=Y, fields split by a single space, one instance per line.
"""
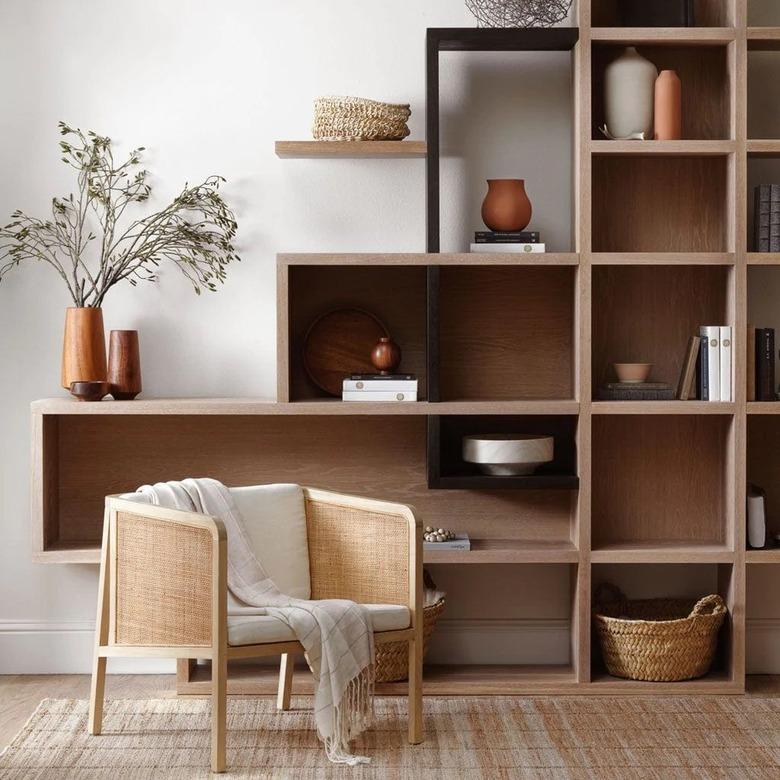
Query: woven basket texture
x=392 y=659
x=359 y=119
x=658 y=640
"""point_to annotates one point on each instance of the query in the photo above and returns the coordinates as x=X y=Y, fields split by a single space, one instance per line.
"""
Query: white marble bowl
x=508 y=454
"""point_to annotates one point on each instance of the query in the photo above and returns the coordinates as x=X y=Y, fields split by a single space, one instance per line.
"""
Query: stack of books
x=492 y=241
x=766 y=218
x=761 y=364
x=379 y=387
x=636 y=391
x=460 y=542
x=707 y=366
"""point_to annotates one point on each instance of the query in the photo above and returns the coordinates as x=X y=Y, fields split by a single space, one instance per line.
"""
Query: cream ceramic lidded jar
x=629 y=86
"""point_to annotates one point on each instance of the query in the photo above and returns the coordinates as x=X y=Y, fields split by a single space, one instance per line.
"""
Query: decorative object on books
x=756 y=517
x=686 y=385
x=629 y=86
x=339 y=343
x=658 y=13
x=636 y=391
x=89 y=246
x=124 y=364
x=632 y=373
x=658 y=640
x=668 y=107
x=89 y=391
x=506 y=206
x=518 y=13
x=339 y=118
x=431 y=534
x=386 y=356
x=83 y=346
x=508 y=454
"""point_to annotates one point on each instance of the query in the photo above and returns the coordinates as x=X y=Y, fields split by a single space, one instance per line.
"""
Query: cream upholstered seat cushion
x=248 y=627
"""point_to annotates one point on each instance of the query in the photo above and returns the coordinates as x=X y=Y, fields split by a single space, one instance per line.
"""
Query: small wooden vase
x=386 y=356
x=668 y=107
x=506 y=206
x=124 y=365
x=83 y=347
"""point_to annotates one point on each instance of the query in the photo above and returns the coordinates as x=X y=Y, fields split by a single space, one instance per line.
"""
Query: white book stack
x=503 y=248
x=376 y=387
x=716 y=363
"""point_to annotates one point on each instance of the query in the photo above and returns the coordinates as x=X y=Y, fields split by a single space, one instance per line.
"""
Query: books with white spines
x=380 y=385
x=460 y=542
x=507 y=248
x=710 y=341
x=725 y=363
x=378 y=395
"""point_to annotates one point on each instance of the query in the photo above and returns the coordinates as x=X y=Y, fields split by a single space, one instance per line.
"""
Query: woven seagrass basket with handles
x=359 y=119
x=658 y=640
x=392 y=659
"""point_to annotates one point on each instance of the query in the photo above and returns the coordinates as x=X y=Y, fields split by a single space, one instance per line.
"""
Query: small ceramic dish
x=89 y=391
x=632 y=373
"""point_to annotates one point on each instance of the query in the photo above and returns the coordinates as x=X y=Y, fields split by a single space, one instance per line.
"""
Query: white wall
x=207 y=88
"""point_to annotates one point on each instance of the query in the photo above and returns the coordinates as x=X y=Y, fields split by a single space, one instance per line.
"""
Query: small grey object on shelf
x=518 y=13
x=640 y=391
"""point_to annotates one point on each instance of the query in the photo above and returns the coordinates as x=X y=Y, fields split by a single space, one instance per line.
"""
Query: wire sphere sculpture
x=518 y=13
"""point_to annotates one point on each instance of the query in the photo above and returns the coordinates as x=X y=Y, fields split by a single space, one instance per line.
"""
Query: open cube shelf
x=707 y=13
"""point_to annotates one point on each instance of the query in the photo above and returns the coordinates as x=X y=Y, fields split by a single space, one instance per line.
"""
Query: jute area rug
x=475 y=737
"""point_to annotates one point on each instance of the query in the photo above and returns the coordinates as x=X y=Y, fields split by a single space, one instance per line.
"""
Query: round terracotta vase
x=83 y=347
x=506 y=206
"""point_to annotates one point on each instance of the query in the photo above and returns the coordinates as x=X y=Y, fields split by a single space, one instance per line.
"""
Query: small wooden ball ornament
x=386 y=356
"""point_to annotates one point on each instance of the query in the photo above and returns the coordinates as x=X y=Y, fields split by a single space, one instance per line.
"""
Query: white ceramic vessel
x=629 y=94
x=508 y=454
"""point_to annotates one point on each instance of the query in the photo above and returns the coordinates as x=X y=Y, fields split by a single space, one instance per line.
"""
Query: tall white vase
x=629 y=84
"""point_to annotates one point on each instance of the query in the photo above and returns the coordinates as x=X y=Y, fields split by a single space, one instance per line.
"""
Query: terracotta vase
x=506 y=206
x=124 y=364
x=83 y=347
x=668 y=107
x=629 y=85
x=386 y=356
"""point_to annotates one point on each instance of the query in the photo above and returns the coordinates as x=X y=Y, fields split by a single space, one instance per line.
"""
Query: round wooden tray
x=338 y=344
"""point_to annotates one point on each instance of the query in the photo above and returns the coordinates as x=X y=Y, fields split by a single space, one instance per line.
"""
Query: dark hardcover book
x=702 y=372
x=762 y=196
x=765 y=364
x=373 y=377
x=774 y=218
x=519 y=237
x=640 y=391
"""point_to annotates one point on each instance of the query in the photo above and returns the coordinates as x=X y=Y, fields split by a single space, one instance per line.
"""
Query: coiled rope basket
x=658 y=640
x=359 y=119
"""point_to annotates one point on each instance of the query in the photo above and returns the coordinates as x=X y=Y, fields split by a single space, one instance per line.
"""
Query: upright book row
x=766 y=218
x=761 y=364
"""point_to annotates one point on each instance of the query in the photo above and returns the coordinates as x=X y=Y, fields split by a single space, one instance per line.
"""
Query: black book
x=774 y=218
x=509 y=237
x=636 y=391
x=702 y=372
x=765 y=364
x=762 y=199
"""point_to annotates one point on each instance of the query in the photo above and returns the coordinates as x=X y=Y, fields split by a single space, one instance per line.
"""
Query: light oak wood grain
x=397 y=149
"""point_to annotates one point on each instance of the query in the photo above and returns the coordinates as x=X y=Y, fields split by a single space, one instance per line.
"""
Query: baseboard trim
x=65 y=647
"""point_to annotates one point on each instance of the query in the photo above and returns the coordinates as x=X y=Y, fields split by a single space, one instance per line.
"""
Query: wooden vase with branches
x=93 y=244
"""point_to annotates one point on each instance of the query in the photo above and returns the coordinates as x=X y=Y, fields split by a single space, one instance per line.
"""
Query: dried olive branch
x=195 y=231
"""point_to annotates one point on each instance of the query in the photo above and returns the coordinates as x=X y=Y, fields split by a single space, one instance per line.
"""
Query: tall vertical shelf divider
x=637 y=484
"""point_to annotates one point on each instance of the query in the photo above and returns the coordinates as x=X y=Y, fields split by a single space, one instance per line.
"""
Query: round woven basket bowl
x=392 y=659
x=657 y=640
x=359 y=119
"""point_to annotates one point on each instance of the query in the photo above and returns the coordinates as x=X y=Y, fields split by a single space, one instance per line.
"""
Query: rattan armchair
x=163 y=590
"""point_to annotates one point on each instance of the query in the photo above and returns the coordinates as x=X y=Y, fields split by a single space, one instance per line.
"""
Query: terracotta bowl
x=508 y=454
x=632 y=373
x=89 y=391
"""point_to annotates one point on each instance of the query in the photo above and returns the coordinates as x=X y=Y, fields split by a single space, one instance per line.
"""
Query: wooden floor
x=20 y=694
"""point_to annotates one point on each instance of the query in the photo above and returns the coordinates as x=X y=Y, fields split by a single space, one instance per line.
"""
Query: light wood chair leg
x=97 y=691
x=415 y=692
x=218 y=710
x=286 y=667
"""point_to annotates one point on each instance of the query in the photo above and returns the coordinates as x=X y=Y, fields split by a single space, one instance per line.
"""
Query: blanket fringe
x=351 y=717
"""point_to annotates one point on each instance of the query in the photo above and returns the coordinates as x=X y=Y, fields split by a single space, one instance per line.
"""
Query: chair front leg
x=286 y=667
x=97 y=692
x=218 y=708
x=415 y=691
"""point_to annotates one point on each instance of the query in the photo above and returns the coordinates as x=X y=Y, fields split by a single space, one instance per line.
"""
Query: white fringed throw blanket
x=336 y=634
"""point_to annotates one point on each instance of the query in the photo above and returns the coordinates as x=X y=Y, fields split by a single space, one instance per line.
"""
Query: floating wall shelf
x=346 y=149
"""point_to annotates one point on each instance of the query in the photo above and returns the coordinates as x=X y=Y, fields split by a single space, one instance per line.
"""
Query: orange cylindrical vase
x=124 y=364
x=506 y=206
x=83 y=346
x=668 y=107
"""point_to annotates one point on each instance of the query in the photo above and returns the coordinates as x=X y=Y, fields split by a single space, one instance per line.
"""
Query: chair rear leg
x=97 y=690
x=415 y=692
x=286 y=667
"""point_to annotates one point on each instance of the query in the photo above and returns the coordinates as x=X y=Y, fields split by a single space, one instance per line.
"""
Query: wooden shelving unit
x=505 y=342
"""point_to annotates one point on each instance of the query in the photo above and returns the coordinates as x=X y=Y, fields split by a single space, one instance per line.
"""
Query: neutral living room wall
x=207 y=88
